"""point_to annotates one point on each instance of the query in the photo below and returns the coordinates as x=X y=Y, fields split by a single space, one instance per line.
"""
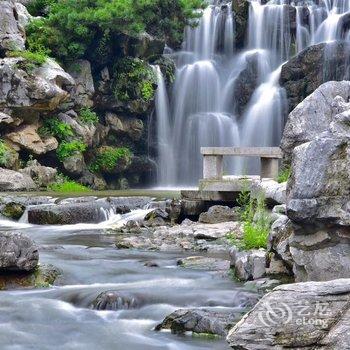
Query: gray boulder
x=83 y=89
x=199 y=321
x=274 y=192
x=114 y=300
x=248 y=265
x=41 y=175
x=75 y=164
x=12 y=34
x=14 y=181
x=314 y=115
x=18 y=253
x=312 y=315
x=42 y=89
x=219 y=213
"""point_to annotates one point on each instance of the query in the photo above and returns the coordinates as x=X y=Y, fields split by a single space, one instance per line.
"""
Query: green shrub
x=56 y=128
x=134 y=79
x=284 y=174
x=67 y=186
x=37 y=58
x=5 y=153
x=108 y=158
x=68 y=149
x=71 y=28
x=87 y=116
x=255 y=220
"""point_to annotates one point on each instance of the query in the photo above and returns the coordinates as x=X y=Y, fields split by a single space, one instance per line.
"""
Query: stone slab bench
x=213 y=166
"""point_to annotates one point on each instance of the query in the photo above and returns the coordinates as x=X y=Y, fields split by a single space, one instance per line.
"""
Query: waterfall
x=224 y=97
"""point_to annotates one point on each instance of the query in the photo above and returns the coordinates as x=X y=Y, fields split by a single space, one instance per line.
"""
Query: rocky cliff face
x=100 y=106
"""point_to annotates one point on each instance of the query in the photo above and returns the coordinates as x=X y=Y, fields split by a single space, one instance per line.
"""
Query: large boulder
x=12 y=34
x=200 y=321
x=41 y=175
x=41 y=89
x=18 y=253
x=314 y=115
x=304 y=73
x=26 y=137
x=14 y=181
x=313 y=315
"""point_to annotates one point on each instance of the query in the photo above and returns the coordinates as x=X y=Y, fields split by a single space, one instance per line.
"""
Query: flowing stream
x=61 y=317
x=206 y=107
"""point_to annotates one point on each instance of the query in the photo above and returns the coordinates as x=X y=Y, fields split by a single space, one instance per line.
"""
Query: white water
x=201 y=109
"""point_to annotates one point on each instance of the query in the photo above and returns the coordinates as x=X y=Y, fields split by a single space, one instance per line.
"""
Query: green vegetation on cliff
x=68 y=149
x=72 y=28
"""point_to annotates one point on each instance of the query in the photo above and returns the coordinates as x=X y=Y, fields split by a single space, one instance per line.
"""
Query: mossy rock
x=13 y=210
x=43 y=276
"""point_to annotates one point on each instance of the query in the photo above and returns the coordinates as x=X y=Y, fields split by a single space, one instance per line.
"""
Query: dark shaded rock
x=13 y=210
x=67 y=214
x=18 y=252
x=41 y=175
x=43 y=277
x=219 y=213
x=240 y=11
x=198 y=321
x=114 y=300
x=124 y=205
x=303 y=74
x=312 y=315
x=93 y=181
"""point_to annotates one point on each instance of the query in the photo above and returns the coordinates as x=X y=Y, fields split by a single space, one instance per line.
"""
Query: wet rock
x=312 y=315
x=262 y=285
x=18 y=252
x=219 y=213
x=248 y=265
x=43 y=277
x=14 y=181
x=68 y=214
x=198 y=321
x=241 y=10
x=13 y=210
x=114 y=300
x=150 y=264
x=190 y=208
x=204 y=263
x=304 y=73
x=124 y=205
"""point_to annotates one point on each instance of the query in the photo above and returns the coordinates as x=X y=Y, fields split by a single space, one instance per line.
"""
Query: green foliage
x=108 y=158
x=65 y=185
x=37 y=58
x=87 y=116
x=39 y=7
x=134 y=78
x=72 y=27
x=5 y=153
x=56 y=128
x=284 y=174
x=255 y=219
x=68 y=149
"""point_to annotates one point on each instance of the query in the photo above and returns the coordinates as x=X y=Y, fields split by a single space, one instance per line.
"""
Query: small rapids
x=62 y=317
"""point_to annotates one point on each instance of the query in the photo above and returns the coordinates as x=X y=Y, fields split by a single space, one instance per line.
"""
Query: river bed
x=61 y=317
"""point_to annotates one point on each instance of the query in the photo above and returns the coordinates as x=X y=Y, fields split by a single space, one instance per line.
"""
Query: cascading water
x=205 y=108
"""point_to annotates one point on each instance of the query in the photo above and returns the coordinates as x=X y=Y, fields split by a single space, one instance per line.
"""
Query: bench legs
x=213 y=167
x=269 y=168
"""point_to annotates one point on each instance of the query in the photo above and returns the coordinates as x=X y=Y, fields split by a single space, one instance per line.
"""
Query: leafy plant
x=134 y=79
x=5 y=153
x=107 y=158
x=284 y=174
x=68 y=186
x=37 y=58
x=68 y=149
x=56 y=128
x=87 y=116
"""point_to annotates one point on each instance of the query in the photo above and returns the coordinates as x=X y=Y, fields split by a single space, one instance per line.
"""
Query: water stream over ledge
x=62 y=318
